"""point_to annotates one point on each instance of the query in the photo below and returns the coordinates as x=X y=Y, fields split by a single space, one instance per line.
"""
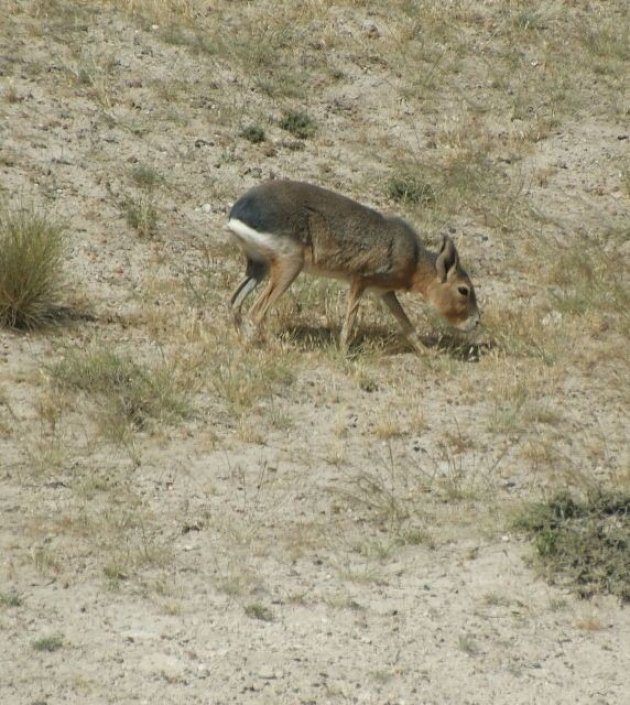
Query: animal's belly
x=326 y=269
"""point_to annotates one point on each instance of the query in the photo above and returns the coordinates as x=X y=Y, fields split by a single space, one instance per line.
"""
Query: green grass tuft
x=254 y=134
x=48 y=643
x=146 y=177
x=142 y=215
x=258 y=611
x=10 y=599
x=299 y=124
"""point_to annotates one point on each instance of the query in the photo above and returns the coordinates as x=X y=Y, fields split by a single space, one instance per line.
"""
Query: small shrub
x=299 y=124
x=587 y=542
x=254 y=134
x=31 y=260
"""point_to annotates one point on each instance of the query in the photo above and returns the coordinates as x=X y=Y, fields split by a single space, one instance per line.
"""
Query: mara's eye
x=463 y=290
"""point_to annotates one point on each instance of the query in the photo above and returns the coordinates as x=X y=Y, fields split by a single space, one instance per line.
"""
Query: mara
x=284 y=227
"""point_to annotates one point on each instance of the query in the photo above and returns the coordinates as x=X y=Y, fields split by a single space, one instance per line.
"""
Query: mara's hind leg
x=255 y=272
x=283 y=272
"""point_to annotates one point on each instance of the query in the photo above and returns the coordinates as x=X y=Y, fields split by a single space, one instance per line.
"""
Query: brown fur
x=286 y=226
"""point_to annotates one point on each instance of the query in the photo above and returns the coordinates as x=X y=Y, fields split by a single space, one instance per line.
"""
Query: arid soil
x=287 y=524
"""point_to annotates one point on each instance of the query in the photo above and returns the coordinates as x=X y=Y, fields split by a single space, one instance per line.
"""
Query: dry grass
x=590 y=281
x=126 y=395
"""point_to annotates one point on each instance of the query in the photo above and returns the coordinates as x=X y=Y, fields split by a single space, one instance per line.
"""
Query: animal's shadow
x=456 y=346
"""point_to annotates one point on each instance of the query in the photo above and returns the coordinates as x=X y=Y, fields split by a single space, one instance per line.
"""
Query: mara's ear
x=446 y=259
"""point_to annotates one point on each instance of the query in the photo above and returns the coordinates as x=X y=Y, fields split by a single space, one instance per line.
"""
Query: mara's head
x=451 y=292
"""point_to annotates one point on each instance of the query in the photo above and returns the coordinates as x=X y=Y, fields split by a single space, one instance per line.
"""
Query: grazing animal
x=284 y=227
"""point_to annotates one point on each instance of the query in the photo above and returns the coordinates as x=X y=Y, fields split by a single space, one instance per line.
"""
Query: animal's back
x=339 y=235
x=275 y=206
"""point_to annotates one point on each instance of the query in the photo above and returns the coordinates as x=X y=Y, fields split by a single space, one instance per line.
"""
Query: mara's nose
x=474 y=322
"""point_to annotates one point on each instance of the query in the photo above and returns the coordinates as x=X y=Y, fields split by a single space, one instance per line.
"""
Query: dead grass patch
x=407 y=499
x=524 y=333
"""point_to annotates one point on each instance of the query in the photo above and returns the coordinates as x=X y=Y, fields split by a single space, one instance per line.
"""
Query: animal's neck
x=424 y=276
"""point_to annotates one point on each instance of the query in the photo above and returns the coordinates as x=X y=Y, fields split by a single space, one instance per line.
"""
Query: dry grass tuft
x=31 y=269
x=141 y=215
x=10 y=599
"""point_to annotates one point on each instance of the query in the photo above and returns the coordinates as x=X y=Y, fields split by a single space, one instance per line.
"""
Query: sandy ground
x=342 y=533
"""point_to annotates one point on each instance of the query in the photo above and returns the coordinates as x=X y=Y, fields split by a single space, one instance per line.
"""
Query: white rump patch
x=262 y=245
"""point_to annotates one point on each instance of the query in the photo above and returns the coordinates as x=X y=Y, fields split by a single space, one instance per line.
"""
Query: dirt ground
x=307 y=527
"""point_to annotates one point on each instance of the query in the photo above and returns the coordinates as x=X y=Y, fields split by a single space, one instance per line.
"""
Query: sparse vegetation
x=146 y=177
x=126 y=393
x=10 y=599
x=587 y=279
x=469 y=645
x=242 y=378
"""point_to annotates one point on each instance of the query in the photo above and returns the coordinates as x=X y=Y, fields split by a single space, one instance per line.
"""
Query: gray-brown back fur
x=338 y=234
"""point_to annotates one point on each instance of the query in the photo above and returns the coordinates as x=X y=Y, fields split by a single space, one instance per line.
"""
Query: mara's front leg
x=391 y=301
